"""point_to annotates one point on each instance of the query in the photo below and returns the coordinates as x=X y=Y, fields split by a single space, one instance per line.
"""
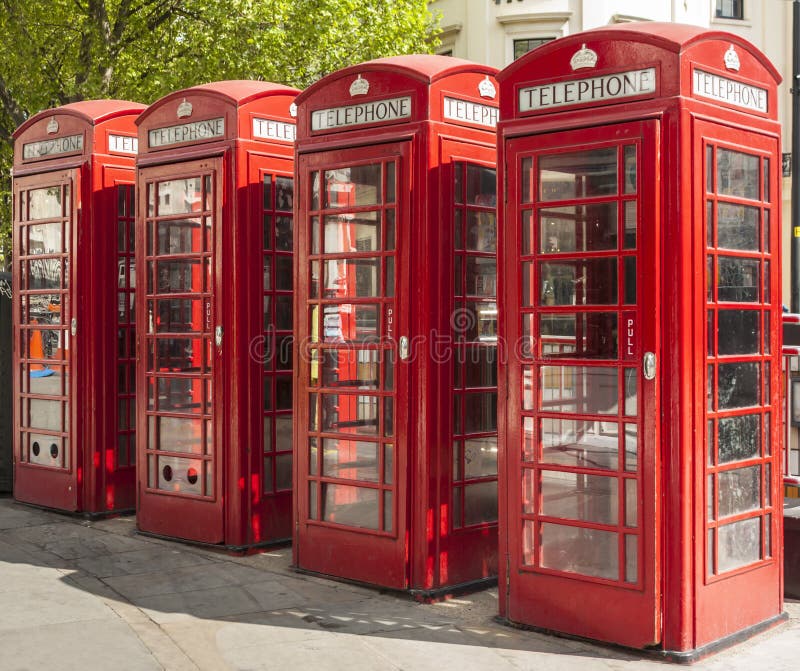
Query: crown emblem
x=583 y=58
x=184 y=109
x=293 y=110
x=486 y=88
x=52 y=126
x=732 y=59
x=359 y=87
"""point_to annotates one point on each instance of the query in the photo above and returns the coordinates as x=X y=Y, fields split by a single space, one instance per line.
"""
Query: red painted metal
x=214 y=257
x=684 y=594
x=73 y=218
x=388 y=491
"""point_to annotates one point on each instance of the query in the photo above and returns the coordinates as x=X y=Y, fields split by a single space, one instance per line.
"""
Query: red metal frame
x=85 y=151
x=215 y=182
x=441 y=130
x=679 y=607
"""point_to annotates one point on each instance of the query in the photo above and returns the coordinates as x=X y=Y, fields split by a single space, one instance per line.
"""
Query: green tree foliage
x=54 y=52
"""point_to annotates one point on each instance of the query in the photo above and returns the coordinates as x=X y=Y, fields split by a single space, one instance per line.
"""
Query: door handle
x=73 y=327
x=218 y=336
x=649 y=365
x=403 y=348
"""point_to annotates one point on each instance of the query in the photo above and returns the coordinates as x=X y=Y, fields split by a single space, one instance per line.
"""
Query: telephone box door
x=582 y=305
x=351 y=436
x=46 y=452
x=180 y=479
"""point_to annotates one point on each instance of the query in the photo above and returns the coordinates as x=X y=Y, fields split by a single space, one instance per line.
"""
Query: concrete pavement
x=94 y=595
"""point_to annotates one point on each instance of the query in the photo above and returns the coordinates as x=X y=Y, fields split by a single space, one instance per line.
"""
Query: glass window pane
x=283 y=234
x=481 y=185
x=267 y=192
x=284 y=193
x=388 y=510
x=179 y=195
x=739 y=544
x=575 y=496
x=739 y=437
x=631 y=447
x=283 y=472
x=480 y=457
x=349 y=322
x=630 y=225
x=481 y=231
x=391 y=182
x=480 y=503
x=592 y=335
x=525 y=172
x=631 y=394
x=314 y=181
x=570 y=442
x=178 y=434
x=577 y=550
x=479 y=365
x=579 y=389
x=348 y=233
x=631 y=503
x=739 y=490
x=350 y=459
x=480 y=412
x=710 y=223
x=578 y=174
x=353 y=187
x=737 y=385
x=630 y=169
x=353 y=414
x=738 y=332
x=357 y=369
x=388 y=463
x=631 y=559
x=45 y=239
x=44 y=203
x=737 y=279
x=352 y=506
x=578 y=228
x=356 y=278
x=182 y=236
x=579 y=282
x=737 y=226
x=737 y=174
x=481 y=276
x=709 y=169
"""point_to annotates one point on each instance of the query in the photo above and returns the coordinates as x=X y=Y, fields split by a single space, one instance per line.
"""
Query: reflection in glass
x=592 y=335
x=357 y=277
x=481 y=185
x=179 y=434
x=480 y=457
x=350 y=414
x=44 y=203
x=283 y=234
x=739 y=437
x=737 y=279
x=350 y=459
x=479 y=365
x=44 y=239
x=351 y=506
x=480 y=412
x=579 y=389
x=575 y=496
x=480 y=503
x=578 y=550
x=737 y=174
x=738 y=332
x=578 y=228
x=578 y=282
x=631 y=447
x=739 y=544
x=571 y=442
x=179 y=237
x=350 y=322
x=355 y=186
x=737 y=385
x=481 y=276
x=352 y=233
x=737 y=226
x=179 y=195
x=630 y=168
x=284 y=193
x=350 y=368
x=578 y=174
x=481 y=231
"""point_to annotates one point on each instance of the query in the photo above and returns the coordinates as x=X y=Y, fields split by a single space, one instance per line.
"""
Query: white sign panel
x=187 y=132
x=374 y=111
x=464 y=110
x=123 y=144
x=58 y=145
x=274 y=130
x=714 y=87
x=594 y=89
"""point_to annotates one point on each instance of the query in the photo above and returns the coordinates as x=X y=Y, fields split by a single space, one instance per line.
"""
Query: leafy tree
x=54 y=52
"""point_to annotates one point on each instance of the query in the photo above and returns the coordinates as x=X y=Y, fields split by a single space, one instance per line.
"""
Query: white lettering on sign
x=58 y=145
x=123 y=144
x=630 y=334
x=363 y=113
x=714 y=87
x=464 y=110
x=274 y=130
x=594 y=89
x=196 y=131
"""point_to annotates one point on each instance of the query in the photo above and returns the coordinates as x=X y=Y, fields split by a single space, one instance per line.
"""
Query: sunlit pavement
x=94 y=595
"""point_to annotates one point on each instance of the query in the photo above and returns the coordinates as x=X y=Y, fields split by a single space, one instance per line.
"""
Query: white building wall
x=484 y=31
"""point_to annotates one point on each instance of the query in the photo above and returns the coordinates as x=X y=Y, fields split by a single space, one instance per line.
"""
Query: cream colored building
x=494 y=31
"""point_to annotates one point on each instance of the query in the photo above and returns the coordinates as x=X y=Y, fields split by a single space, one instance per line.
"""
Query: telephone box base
x=677 y=656
x=234 y=550
x=78 y=514
x=420 y=595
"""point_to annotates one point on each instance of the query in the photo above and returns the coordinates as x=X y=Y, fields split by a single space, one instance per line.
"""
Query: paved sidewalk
x=94 y=595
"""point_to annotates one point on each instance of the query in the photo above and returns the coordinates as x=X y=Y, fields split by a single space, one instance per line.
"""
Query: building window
x=730 y=9
x=522 y=47
x=448 y=52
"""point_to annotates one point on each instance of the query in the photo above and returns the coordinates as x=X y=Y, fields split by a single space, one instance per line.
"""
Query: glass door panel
x=350 y=322
x=179 y=348
x=44 y=216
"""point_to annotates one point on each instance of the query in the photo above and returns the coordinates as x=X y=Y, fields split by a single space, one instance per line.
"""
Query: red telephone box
x=214 y=260
x=74 y=327
x=396 y=312
x=640 y=486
